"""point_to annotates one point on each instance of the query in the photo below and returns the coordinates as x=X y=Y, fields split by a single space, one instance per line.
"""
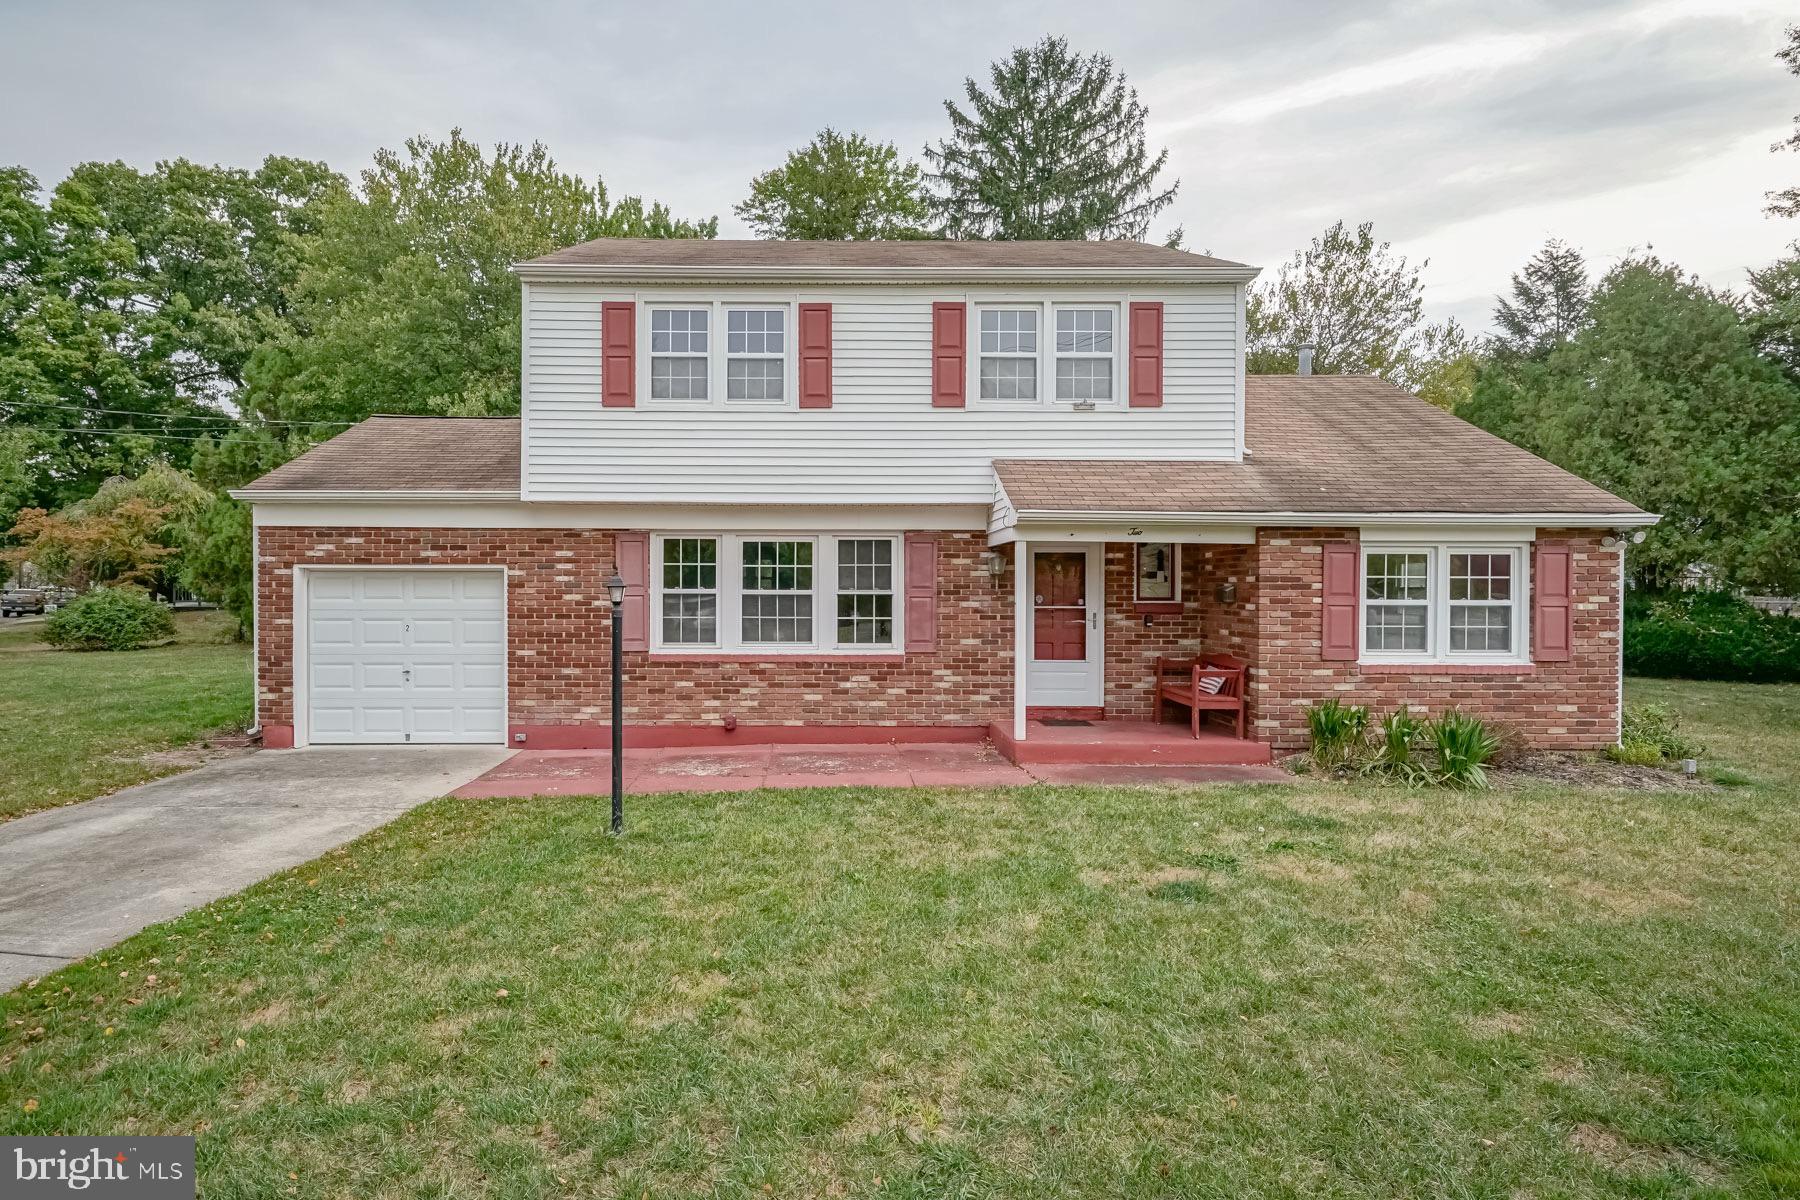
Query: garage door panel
x=406 y=655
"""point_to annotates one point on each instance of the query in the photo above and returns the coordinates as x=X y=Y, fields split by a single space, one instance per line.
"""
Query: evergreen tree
x=839 y=187
x=1548 y=305
x=1054 y=149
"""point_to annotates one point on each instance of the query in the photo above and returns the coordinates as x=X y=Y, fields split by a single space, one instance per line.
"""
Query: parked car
x=17 y=602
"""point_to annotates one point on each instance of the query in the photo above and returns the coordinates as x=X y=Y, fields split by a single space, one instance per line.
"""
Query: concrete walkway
x=745 y=768
x=76 y=879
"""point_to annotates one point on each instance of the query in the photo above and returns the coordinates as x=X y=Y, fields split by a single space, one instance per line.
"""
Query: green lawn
x=1317 y=990
x=78 y=725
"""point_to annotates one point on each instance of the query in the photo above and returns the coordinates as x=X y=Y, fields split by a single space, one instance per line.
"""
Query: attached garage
x=403 y=655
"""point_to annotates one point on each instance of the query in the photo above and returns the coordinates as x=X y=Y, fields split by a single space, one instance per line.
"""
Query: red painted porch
x=1127 y=743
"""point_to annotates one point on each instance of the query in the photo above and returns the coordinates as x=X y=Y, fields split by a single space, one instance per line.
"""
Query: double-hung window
x=1084 y=353
x=690 y=591
x=1009 y=353
x=678 y=353
x=755 y=353
x=1443 y=603
x=777 y=593
x=777 y=598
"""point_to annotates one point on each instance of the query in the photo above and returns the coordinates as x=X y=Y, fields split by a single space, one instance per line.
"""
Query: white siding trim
x=518 y=515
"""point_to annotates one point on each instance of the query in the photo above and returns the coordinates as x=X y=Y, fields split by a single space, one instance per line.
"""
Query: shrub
x=1464 y=746
x=1709 y=635
x=1396 y=739
x=1635 y=754
x=1655 y=729
x=1337 y=732
x=110 y=618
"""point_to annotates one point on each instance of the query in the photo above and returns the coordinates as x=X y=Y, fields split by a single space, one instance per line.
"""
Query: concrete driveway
x=76 y=879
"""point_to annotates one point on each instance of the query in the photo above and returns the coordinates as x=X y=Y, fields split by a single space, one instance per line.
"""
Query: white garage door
x=406 y=656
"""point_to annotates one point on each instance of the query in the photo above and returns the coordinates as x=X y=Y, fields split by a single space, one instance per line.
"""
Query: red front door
x=1060 y=607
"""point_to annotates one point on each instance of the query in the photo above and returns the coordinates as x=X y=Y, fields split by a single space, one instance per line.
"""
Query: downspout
x=255 y=626
x=1619 y=708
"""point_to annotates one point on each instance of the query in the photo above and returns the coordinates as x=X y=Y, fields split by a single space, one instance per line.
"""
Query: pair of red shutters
x=920 y=575
x=1552 y=602
x=949 y=354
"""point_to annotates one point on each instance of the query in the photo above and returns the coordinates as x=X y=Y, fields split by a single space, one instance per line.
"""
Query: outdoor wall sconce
x=995 y=562
x=1226 y=593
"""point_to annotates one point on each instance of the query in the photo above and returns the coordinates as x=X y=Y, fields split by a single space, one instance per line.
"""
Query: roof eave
x=1634 y=519
x=373 y=495
x=536 y=272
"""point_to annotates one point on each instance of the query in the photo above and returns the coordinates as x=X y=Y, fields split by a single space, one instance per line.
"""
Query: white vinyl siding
x=880 y=442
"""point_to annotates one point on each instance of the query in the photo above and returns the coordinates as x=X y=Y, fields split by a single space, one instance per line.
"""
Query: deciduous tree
x=839 y=187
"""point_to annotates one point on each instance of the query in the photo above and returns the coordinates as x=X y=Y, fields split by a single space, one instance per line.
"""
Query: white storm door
x=1064 y=639
x=406 y=656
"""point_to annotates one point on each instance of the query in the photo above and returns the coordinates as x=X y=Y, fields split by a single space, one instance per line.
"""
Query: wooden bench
x=1178 y=681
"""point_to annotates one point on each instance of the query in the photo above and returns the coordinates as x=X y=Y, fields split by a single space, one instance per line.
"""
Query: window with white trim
x=1085 y=353
x=755 y=353
x=690 y=591
x=679 y=363
x=777 y=603
x=865 y=591
x=1008 y=345
x=1443 y=603
x=777 y=593
x=1158 y=572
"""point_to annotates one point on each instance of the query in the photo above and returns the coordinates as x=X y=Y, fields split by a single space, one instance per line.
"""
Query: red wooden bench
x=1178 y=681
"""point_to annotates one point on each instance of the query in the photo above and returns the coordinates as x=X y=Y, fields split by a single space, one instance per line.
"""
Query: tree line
x=168 y=334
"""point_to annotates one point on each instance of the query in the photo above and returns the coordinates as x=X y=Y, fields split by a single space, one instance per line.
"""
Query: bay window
x=1443 y=603
x=776 y=593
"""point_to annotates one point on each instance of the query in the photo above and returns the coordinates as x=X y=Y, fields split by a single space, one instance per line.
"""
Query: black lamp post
x=615 y=588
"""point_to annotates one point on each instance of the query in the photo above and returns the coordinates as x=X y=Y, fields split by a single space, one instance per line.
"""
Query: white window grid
x=1086 y=348
x=1472 y=608
x=755 y=354
x=1008 y=343
x=842 y=565
x=687 y=609
x=679 y=358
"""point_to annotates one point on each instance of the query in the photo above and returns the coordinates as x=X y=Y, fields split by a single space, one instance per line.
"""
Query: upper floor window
x=678 y=353
x=1009 y=353
x=1444 y=602
x=755 y=353
x=1084 y=353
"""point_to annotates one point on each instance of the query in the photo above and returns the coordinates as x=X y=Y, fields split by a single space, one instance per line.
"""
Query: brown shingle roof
x=1317 y=444
x=1324 y=444
x=448 y=454
x=940 y=255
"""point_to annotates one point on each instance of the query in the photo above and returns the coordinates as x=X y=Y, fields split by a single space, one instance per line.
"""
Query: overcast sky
x=1468 y=132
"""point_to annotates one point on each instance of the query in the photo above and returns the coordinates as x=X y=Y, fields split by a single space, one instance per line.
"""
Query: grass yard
x=78 y=725
x=1317 y=990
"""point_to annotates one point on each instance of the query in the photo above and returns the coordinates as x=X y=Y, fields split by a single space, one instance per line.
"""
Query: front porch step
x=1126 y=743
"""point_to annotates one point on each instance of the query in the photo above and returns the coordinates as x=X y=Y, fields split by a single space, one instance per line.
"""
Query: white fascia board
x=1363 y=519
x=1047 y=532
x=594 y=273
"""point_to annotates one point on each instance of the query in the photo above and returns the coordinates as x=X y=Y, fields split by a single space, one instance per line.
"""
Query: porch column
x=1021 y=632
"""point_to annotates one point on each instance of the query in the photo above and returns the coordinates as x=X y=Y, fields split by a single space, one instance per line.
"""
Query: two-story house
x=919 y=491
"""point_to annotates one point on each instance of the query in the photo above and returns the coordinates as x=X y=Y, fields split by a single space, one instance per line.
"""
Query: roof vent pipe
x=1306 y=355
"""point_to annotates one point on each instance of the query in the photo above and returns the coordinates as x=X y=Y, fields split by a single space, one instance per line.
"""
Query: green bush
x=111 y=618
x=1337 y=732
x=1464 y=745
x=1396 y=739
x=1656 y=729
x=1709 y=635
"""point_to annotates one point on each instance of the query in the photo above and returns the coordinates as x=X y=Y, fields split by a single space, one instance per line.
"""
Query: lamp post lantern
x=615 y=590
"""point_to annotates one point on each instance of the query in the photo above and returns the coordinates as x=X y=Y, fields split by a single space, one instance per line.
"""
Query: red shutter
x=949 y=353
x=632 y=550
x=1553 y=603
x=1146 y=354
x=815 y=356
x=921 y=591
x=618 y=354
x=1338 y=630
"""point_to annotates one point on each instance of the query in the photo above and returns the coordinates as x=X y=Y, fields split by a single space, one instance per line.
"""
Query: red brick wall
x=559 y=626
x=1567 y=705
x=1131 y=645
